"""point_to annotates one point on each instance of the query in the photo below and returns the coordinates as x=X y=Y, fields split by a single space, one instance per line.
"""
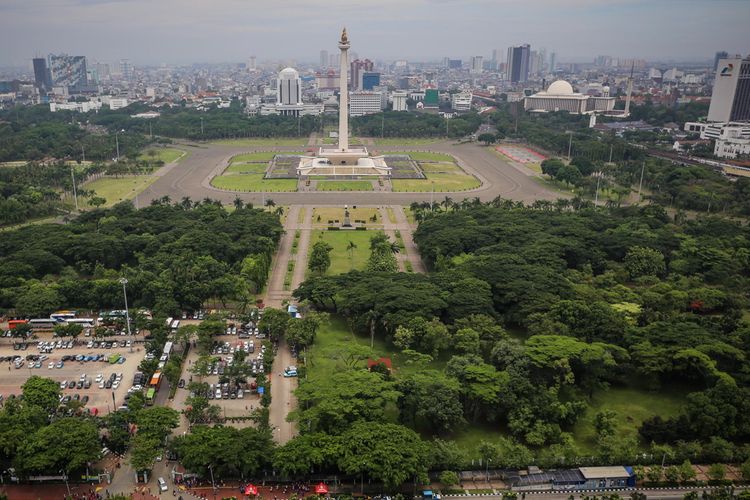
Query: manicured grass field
x=116 y=190
x=632 y=406
x=253 y=183
x=263 y=156
x=167 y=155
x=399 y=141
x=443 y=182
x=424 y=156
x=344 y=186
x=255 y=168
x=439 y=167
x=337 y=213
x=327 y=339
x=261 y=141
x=341 y=262
x=409 y=215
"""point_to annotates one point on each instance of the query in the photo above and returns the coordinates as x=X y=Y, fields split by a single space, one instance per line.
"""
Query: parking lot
x=80 y=364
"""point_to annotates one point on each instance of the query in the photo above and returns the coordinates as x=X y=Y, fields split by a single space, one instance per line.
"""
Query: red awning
x=251 y=490
x=321 y=489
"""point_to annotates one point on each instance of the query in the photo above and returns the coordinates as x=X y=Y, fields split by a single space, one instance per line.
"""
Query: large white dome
x=560 y=87
x=288 y=74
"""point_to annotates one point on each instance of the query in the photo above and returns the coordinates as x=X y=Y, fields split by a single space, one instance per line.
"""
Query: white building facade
x=461 y=101
x=364 y=103
x=560 y=96
x=399 y=101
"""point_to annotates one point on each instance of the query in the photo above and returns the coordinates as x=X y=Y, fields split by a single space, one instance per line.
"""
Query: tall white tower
x=344 y=93
x=289 y=89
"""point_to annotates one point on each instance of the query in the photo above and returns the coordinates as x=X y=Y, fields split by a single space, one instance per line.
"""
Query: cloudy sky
x=185 y=31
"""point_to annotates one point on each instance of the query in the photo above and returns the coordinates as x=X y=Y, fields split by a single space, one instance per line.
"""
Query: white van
x=162 y=484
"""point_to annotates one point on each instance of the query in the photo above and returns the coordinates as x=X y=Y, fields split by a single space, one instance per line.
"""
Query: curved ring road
x=192 y=176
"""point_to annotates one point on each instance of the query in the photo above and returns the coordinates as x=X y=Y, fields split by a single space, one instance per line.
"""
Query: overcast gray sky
x=184 y=31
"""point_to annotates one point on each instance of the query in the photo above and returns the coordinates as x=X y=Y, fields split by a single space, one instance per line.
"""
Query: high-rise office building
x=370 y=79
x=497 y=55
x=517 y=68
x=252 y=63
x=455 y=63
x=323 y=59
x=41 y=74
x=722 y=54
x=289 y=89
x=730 y=100
x=357 y=68
x=67 y=71
x=477 y=64
x=553 y=62
x=126 y=70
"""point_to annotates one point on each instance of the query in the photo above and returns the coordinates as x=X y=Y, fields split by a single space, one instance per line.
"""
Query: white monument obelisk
x=344 y=93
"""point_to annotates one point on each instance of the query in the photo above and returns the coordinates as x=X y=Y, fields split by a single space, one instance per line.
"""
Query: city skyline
x=233 y=30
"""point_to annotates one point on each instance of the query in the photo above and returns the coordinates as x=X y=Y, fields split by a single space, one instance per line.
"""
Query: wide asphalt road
x=192 y=175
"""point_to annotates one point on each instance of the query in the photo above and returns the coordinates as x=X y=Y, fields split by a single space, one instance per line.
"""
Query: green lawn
x=423 y=156
x=403 y=141
x=335 y=333
x=261 y=141
x=341 y=262
x=123 y=188
x=440 y=167
x=167 y=155
x=337 y=213
x=443 y=182
x=253 y=183
x=261 y=156
x=632 y=406
x=244 y=168
x=344 y=186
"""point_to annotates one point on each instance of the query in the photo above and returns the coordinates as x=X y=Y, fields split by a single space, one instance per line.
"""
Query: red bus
x=15 y=322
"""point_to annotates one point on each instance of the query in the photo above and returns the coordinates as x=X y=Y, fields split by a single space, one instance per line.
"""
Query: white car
x=90 y=344
x=162 y=484
x=64 y=384
x=51 y=365
x=101 y=384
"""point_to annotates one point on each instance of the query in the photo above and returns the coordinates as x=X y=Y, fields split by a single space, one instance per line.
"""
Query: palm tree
x=350 y=248
x=238 y=203
x=186 y=203
x=279 y=211
x=447 y=203
x=270 y=203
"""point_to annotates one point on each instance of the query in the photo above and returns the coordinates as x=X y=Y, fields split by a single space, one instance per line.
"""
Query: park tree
x=274 y=323
x=388 y=453
x=41 y=392
x=382 y=254
x=487 y=138
x=335 y=403
x=307 y=453
x=228 y=451
x=687 y=472
x=431 y=401
x=320 y=257
x=717 y=472
x=466 y=341
x=448 y=478
x=67 y=444
x=605 y=423
x=644 y=261
x=301 y=332
x=551 y=166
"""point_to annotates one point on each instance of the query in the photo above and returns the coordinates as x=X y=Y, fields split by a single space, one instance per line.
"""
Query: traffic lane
x=500 y=179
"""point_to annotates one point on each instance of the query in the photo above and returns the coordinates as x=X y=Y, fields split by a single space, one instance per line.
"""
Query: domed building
x=560 y=96
x=289 y=97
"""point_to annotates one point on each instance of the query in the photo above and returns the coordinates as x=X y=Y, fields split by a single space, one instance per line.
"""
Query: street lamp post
x=117 y=143
x=570 y=142
x=65 y=478
x=124 y=281
x=75 y=193
x=213 y=484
